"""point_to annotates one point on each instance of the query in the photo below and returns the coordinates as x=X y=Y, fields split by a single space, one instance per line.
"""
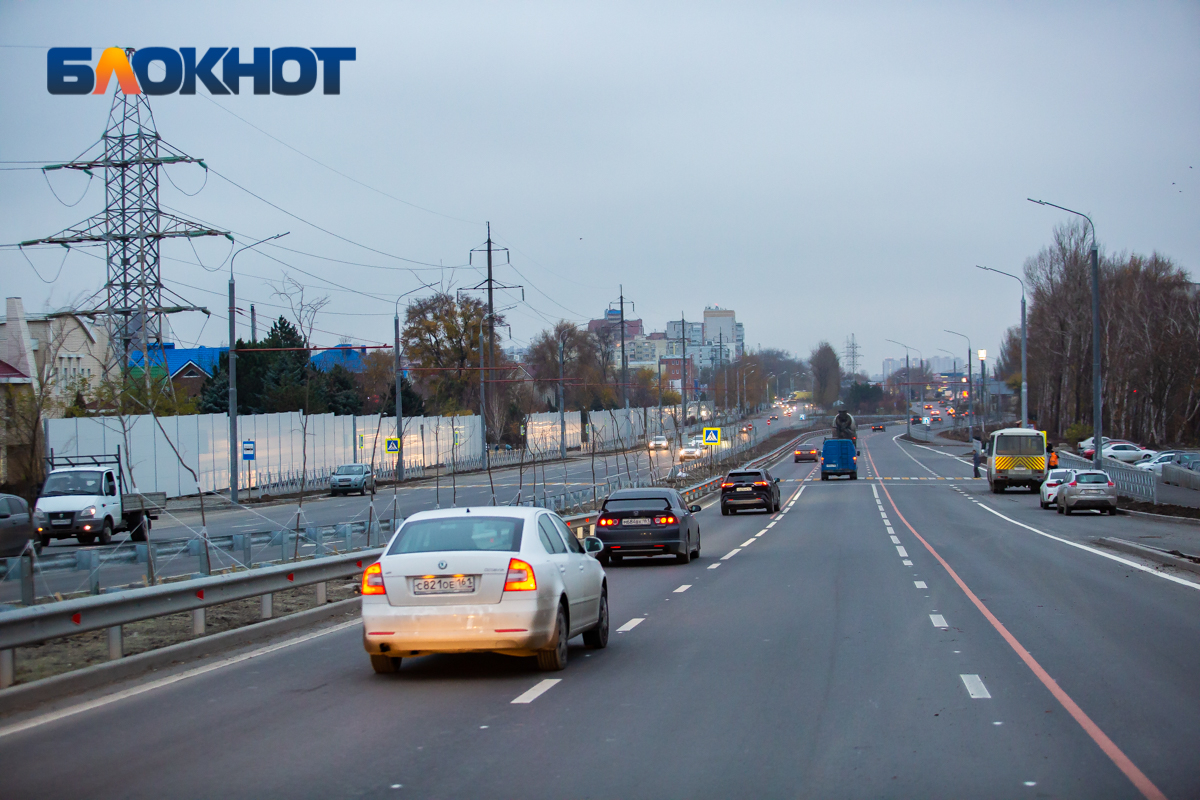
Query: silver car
x=506 y=580
x=352 y=478
x=1054 y=481
x=1088 y=488
x=659 y=443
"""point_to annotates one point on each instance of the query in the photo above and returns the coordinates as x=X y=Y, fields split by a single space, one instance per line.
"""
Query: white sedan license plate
x=451 y=584
x=637 y=521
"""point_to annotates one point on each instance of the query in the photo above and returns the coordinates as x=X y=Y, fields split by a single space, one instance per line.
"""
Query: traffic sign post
x=712 y=436
x=392 y=446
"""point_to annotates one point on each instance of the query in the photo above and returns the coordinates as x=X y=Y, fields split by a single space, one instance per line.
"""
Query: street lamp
x=1024 y=382
x=1096 y=400
x=745 y=396
x=970 y=386
x=769 y=376
x=908 y=382
x=234 y=468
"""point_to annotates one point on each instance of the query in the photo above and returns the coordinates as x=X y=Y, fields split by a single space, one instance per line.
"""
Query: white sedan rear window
x=458 y=533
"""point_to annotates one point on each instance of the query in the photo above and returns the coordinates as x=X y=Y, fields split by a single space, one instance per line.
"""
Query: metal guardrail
x=1138 y=484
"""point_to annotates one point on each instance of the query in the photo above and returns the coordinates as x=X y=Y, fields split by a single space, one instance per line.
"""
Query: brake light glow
x=726 y=485
x=372 y=580
x=604 y=522
x=667 y=520
x=761 y=483
x=520 y=577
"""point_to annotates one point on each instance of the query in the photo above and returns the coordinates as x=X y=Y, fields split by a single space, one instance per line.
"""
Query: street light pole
x=1097 y=408
x=1024 y=339
x=970 y=384
x=234 y=448
x=908 y=393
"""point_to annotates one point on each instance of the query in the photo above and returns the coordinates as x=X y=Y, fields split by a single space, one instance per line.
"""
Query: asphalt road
x=815 y=657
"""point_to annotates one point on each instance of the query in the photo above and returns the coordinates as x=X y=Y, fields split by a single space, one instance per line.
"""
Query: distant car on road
x=485 y=579
x=928 y=406
x=806 y=452
x=879 y=426
x=1089 y=488
x=352 y=478
x=649 y=522
x=691 y=452
x=773 y=416
x=1128 y=453
x=658 y=443
x=749 y=488
x=16 y=526
x=1054 y=480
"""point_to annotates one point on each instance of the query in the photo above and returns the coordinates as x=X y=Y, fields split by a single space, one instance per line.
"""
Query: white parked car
x=659 y=443
x=1129 y=453
x=497 y=579
x=1050 y=486
x=1086 y=444
x=1155 y=462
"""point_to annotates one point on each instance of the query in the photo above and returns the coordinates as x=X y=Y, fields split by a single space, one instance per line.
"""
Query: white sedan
x=1155 y=463
x=493 y=579
x=658 y=443
x=1129 y=453
x=1050 y=486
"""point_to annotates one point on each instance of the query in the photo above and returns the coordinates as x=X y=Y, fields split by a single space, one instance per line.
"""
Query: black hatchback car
x=749 y=488
x=648 y=522
x=16 y=526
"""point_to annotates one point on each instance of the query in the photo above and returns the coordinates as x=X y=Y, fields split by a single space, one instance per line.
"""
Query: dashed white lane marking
x=731 y=553
x=760 y=533
x=938 y=621
x=906 y=563
x=895 y=540
x=883 y=514
x=633 y=623
x=683 y=588
x=875 y=491
x=538 y=690
x=713 y=566
x=771 y=524
x=920 y=584
x=975 y=687
x=747 y=543
x=890 y=531
x=903 y=553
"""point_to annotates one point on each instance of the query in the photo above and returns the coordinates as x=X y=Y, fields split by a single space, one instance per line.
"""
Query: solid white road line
x=1094 y=551
x=731 y=553
x=633 y=623
x=975 y=687
x=938 y=621
x=747 y=543
x=683 y=588
x=167 y=681
x=537 y=691
x=895 y=540
x=903 y=553
x=920 y=584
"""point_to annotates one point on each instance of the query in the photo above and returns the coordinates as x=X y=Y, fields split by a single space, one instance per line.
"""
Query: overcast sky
x=821 y=169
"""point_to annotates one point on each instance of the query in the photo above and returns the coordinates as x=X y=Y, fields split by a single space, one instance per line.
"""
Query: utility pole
x=400 y=403
x=491 y=285
x=253 y=325
x=624 y=358
x=482 y=402
x=660 y=422
x=562 y=418
x=724 y=377
x=683 y=371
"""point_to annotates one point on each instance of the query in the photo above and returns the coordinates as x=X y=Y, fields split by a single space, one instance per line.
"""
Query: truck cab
x=839 y=457
x=84 y=498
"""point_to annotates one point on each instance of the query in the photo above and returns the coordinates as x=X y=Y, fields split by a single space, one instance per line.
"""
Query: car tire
x=696 y=552
x=997 y=487
x=106 y=532
x=724 y=511
x=44 y=540
x=1059 y=507
x=597 y=637
x=86 y=539
x=1044 y=505
x=618 y=559
x=1066 y=510
x=554 y=657
x=1112 y=512
x=385 y=665
x=686 y=556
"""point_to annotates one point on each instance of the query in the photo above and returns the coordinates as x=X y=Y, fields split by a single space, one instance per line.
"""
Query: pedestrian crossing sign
x=392 y=446
x=712 y=436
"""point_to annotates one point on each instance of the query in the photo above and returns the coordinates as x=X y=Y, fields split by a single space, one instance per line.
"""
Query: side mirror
x=592 y=546
x=777 y=480
x=694 y=509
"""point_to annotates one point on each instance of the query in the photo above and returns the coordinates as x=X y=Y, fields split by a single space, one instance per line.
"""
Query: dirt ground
x=70 y=653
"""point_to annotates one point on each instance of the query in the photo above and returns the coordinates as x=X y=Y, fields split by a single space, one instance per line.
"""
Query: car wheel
x=997 y=487
x=686 y=556
x=554 y=657
x=1045 y=505
x=106 y=533
x=44 y=540
x=1060 y=507
x=1112 y=512
x=597 y=637
x=1066 y=510
x=86 y=539
x=385 y=665
x=618 y=559
x=696 y=552
x=724 y=511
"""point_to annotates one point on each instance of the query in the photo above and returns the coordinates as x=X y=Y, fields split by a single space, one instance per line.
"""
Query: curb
x=1151 y=553
x=57 y=686
x=1161 y=517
